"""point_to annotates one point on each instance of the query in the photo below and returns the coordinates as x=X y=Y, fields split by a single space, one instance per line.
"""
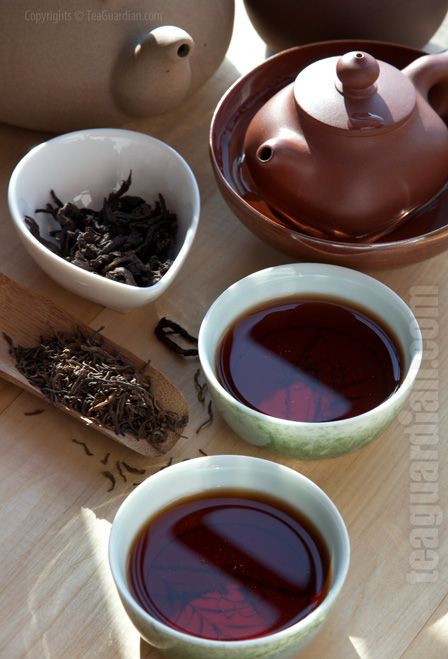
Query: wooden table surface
x=57 y=598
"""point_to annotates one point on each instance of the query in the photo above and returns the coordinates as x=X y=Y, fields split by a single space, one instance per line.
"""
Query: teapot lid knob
x=357 y=72
x=354 y=92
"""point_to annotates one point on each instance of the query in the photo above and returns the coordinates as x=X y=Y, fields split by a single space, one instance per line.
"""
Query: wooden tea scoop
x=26 y=317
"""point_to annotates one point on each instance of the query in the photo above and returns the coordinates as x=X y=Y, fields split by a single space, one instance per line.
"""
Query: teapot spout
x=154 y=75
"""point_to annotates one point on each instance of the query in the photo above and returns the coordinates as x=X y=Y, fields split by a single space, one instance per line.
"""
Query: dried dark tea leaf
x=200 y=388
x=87 y=451
x=120 y=471
x=34 y=412
x=127 y=240
x=133 y=470
x=76 y=371
x=208 y=421
x=167 y=328
x=109 y=475
x=168 y=464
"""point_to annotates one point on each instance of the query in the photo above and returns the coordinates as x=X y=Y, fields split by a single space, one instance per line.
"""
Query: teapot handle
x=428 y=71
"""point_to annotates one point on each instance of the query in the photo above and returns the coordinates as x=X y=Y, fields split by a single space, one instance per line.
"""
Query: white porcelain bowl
x=302 y=439
x=84 y=167
x=228 y=471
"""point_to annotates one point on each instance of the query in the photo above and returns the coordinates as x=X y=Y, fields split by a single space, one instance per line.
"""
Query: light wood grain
x=57 y=599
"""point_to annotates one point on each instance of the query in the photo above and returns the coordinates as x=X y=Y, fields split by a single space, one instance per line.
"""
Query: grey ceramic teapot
x=66 y=65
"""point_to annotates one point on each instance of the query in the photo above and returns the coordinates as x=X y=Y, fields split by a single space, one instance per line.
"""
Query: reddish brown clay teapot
x=351 y=147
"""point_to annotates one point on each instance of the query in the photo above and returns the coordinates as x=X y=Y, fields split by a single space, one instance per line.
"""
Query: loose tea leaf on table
x=133 y=470
x=200 y=388
x=113 y=481
x=87 y=451
x=78 y=372
x=209 y=420
x=120 y=471
x=167 y=328
x=34 y=413
x=127 y=240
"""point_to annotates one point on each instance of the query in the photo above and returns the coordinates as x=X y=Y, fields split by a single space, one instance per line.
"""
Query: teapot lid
x=354 y=93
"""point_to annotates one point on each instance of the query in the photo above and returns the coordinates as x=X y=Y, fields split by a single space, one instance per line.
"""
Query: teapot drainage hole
x=264 y=153
x=183 y=50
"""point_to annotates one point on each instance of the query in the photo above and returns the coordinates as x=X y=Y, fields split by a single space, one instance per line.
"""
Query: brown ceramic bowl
x=286 y=23
x=426 y=235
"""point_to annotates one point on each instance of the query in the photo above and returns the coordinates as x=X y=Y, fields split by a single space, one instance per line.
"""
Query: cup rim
x=215 y=461
x=136 y=136
x=309 y=269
